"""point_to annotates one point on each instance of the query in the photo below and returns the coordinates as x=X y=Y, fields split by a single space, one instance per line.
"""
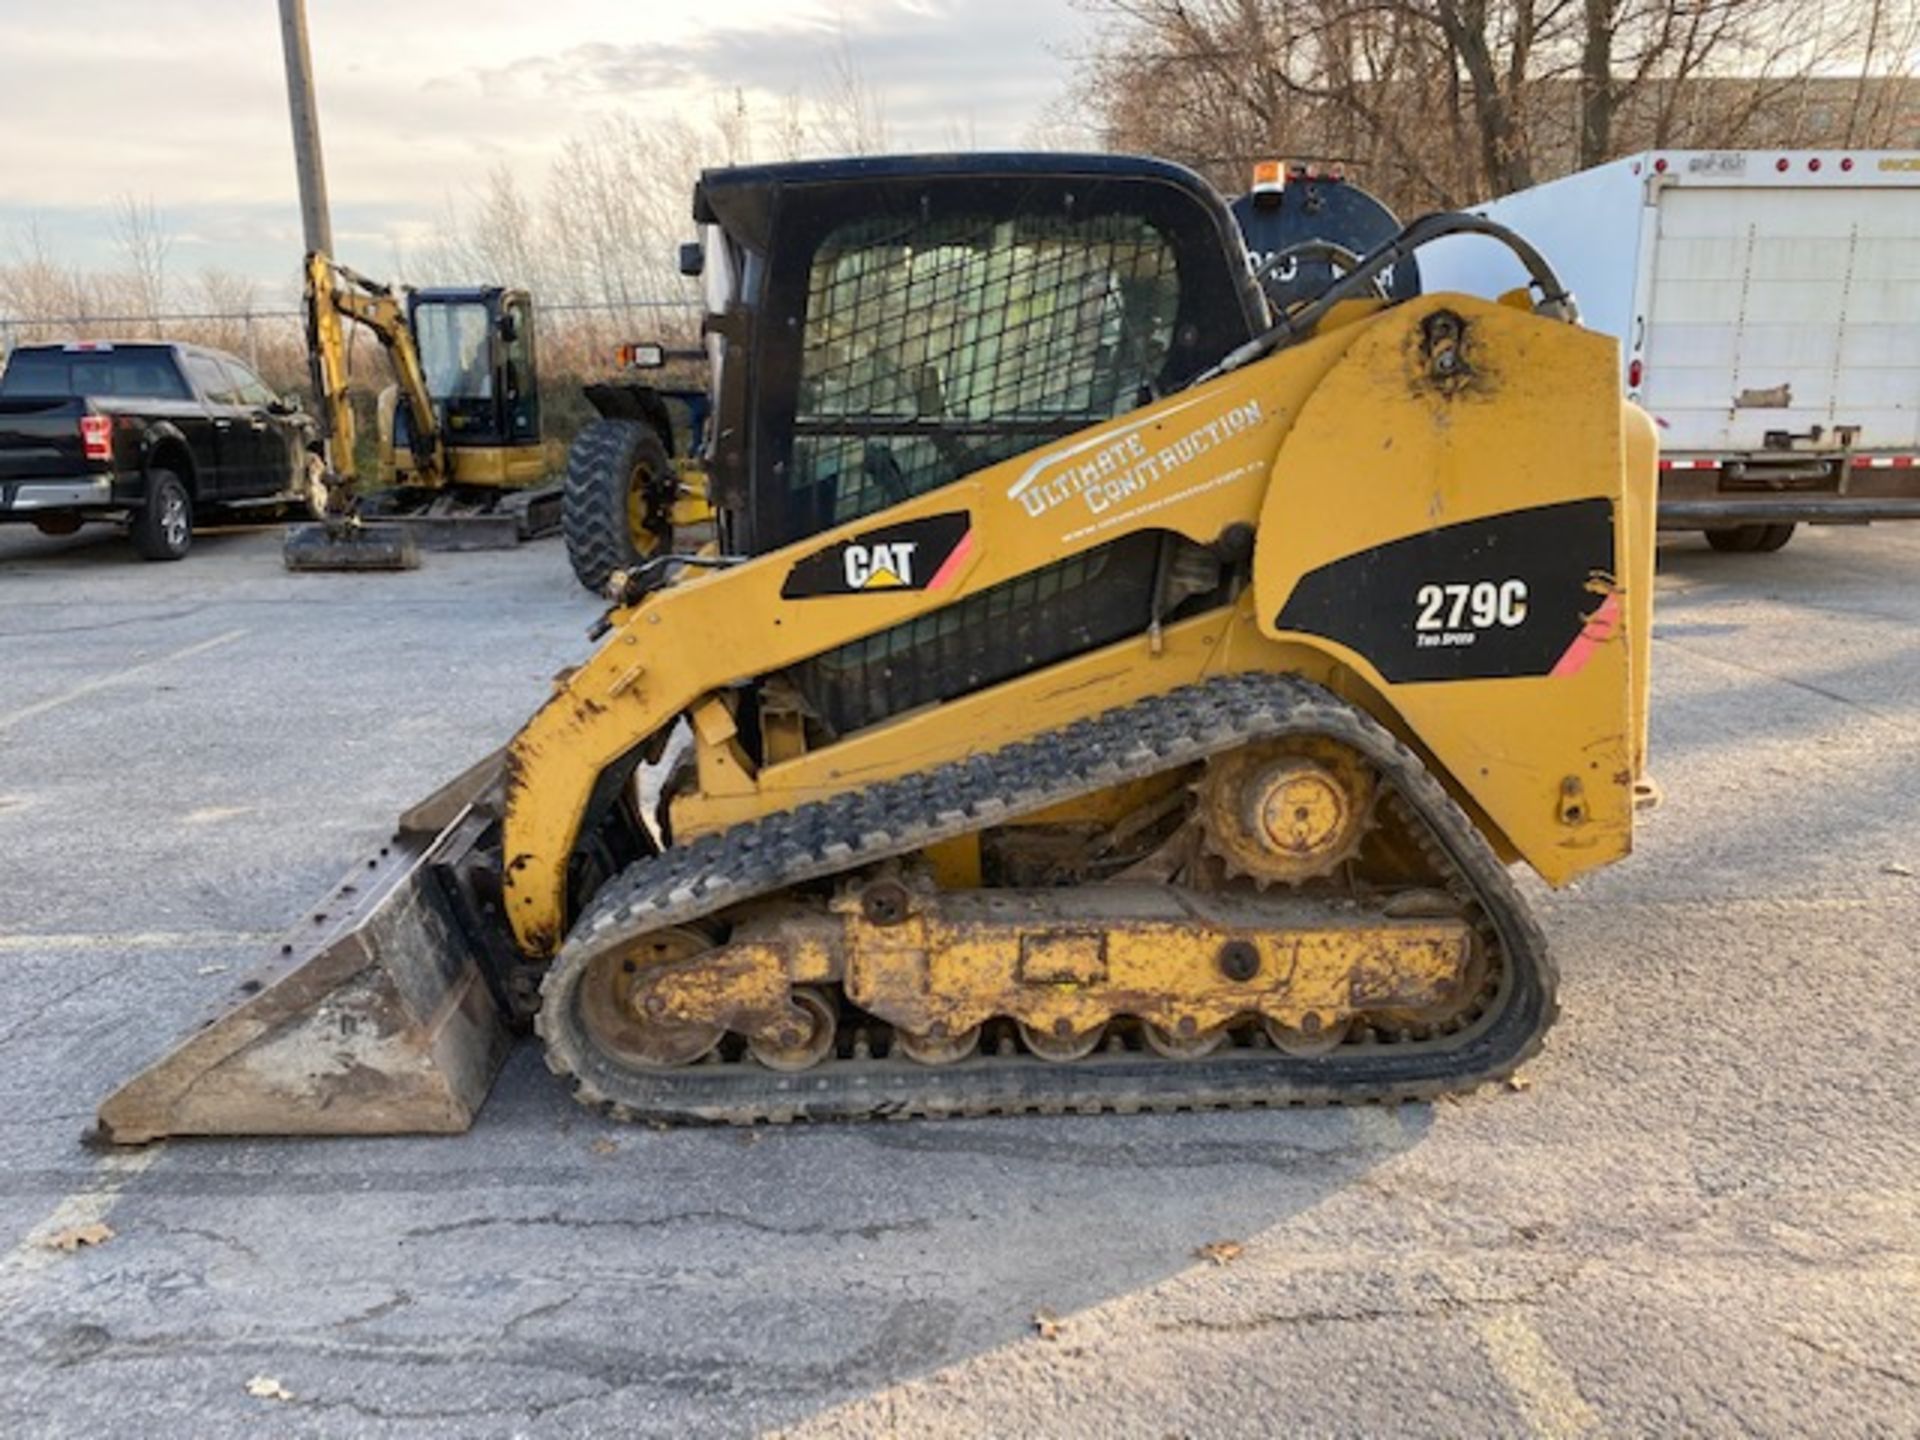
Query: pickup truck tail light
x=96 y=436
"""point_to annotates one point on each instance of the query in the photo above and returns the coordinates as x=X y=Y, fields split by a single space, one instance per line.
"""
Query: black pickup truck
x=158 y=436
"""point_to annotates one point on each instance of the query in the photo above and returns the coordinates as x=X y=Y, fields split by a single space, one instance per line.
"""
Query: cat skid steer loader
x=1102 y=695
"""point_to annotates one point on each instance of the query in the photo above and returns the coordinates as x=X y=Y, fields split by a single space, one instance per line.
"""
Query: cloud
x=992 y=63
x=419 y=101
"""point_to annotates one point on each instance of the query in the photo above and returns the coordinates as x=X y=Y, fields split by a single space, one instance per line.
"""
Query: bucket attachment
x=324 y=546
x=378 y=1016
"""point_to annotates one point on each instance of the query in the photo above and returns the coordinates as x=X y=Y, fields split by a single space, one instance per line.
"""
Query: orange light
x=1269 y=175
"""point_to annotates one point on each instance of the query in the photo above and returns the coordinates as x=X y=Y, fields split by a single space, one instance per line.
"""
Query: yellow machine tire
x=617 y=506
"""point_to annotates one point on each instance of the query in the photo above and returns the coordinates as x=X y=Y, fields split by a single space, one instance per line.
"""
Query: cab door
x=225 y=453
x=267 y=442
x=520 y=386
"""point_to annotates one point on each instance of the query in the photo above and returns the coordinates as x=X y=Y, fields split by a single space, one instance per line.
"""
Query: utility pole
x=306 y=127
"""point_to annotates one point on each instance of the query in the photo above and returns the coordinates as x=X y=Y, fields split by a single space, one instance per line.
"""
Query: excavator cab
x=476 y=347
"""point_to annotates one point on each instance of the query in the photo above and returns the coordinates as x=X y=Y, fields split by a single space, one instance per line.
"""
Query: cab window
x=210 y=378
x=247 y=385
x=454 y=350
x=935 y=348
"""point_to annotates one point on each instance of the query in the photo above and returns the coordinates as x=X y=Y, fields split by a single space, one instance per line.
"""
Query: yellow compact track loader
x=1102 y=694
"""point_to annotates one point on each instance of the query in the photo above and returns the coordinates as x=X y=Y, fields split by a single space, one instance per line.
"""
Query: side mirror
x=509 y=328
x=693 y=259
x=284 y=405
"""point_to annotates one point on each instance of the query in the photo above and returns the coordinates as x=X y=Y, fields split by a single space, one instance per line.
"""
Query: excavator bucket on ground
x=340 y=546
x=1107 y=693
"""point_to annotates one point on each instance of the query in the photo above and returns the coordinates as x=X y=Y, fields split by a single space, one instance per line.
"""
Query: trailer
x=1767 y=305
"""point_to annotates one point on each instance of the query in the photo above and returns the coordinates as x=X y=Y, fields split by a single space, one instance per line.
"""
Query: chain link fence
x=578 y=343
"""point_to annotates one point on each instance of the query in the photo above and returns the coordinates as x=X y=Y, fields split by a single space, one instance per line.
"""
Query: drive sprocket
x=1287 y=810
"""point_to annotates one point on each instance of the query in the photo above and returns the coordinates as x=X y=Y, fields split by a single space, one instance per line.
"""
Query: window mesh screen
x=934 y=348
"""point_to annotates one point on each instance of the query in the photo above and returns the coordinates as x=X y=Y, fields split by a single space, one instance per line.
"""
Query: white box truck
x=1767 y=305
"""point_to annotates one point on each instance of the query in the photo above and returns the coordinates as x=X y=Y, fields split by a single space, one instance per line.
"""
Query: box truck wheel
x=1750 y=539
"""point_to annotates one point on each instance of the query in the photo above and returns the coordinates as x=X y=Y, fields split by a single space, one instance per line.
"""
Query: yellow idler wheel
x=937 y=1049
x=807 y=1042
x=1190 y=1044
x=618 y=1024
x=1059 y=1044
x=1312 y=1037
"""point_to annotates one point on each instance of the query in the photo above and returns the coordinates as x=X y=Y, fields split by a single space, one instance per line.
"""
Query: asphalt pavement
x=1698 y=1212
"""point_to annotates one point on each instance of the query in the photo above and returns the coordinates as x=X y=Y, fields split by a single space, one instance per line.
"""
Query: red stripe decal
x=950 y=567
x=1596 y=632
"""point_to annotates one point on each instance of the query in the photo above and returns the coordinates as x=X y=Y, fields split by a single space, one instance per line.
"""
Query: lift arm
x=335 y=294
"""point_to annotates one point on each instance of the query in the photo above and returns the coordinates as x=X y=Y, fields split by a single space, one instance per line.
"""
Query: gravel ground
x=1700 y=1215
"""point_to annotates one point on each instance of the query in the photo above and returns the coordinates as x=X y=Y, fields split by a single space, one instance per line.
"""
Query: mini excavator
x=460 y=456
x=1103 y=692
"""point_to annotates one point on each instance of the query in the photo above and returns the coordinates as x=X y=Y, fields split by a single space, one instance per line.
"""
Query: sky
x=183 y=102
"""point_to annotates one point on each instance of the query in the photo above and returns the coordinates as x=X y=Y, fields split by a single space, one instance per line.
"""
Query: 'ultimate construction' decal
x=1508 y=595
x=920 y=554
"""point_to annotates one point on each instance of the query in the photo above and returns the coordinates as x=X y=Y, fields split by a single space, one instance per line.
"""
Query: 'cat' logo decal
x=924 y=554
x=886 y=566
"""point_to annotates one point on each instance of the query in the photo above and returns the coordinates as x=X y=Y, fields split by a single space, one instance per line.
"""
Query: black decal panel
x=913 y=555
x=1503 y=596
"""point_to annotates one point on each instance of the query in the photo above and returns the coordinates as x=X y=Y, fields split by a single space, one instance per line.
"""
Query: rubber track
x=899 y=816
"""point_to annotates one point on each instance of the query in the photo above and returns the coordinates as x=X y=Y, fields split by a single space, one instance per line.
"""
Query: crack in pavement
x=554 y=1219
x=1833 y=1352
x=1265 y=1154
x=101 y=625
x=31 y=1017
x=1359 y=1315
x=902 y=1338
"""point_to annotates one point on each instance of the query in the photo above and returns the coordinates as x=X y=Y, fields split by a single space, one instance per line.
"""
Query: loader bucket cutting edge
x=375 y=1018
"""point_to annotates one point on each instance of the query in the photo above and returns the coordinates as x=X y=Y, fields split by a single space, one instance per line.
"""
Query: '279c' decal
x=923 y=554
x=1507 y=595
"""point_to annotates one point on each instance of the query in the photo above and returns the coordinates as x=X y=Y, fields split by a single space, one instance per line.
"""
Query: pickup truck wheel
x=163 y=527
x=617 y=507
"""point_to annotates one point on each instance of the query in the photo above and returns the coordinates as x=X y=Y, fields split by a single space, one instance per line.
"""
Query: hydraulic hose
x=1296 y=325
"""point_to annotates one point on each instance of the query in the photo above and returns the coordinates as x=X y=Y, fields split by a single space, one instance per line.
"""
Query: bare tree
x=36 y=288
x=850 y=116
x=229 y=302
x=141 y=235
x=503 y=240
x=1441 y=102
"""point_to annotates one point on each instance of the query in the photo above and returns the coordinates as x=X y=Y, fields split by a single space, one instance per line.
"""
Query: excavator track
x=1489 y=1038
